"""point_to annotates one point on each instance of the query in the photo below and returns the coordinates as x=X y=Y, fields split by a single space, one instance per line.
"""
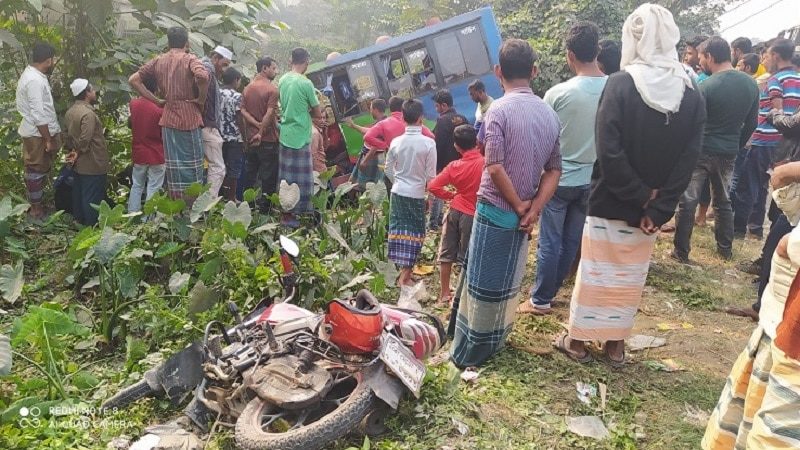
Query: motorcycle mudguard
x=197 y=412
x=181 y=373
x=385 y=386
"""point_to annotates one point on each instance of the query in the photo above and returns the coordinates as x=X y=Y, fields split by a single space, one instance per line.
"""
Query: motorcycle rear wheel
x=263 y=426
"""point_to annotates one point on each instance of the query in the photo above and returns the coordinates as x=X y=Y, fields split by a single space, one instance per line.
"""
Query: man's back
x=175 y=73
x=575 y=101
x=731 y=108
x=297 y=97
x=638 y=148
x=147 y=147
x=411 y=163
x=522 y=134
x=257 y=97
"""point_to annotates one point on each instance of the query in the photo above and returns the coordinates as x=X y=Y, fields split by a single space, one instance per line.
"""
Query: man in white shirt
x=39 y=128
x=410 y=166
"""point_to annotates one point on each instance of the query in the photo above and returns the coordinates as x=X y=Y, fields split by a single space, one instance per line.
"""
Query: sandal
x=560 y=344
x=615 y=363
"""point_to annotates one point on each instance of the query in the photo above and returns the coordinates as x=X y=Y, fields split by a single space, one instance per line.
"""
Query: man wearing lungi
x=410 y=166
x=523 y=166
x=648 y=133
x=299 y=104
x=39 y=128
x=747 y=388
x=177 y=73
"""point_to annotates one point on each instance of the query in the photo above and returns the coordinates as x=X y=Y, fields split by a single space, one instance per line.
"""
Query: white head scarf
x=649 y=37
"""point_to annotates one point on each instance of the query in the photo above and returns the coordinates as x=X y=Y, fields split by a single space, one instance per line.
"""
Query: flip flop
x=614 y=363
x=560 y=345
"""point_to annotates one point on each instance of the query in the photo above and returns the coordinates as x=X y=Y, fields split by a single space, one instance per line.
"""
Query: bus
x=449 y=55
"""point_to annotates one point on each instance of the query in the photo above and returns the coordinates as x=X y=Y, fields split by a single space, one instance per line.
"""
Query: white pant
x=212 y=145
x=144 y=175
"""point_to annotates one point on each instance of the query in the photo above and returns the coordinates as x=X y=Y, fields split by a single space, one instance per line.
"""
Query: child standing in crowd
x=232 y=122
x=410 y=165
x=464 y=175
x=147 y=149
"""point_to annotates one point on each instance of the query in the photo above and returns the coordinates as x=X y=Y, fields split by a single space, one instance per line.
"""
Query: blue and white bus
x=449 y=55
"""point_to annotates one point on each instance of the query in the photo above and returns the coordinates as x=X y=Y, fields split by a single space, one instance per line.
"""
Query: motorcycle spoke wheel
x=263 y=426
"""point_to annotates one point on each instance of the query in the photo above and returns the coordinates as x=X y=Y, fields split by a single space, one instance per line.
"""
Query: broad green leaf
x=266 y=227
x=250 y=195
x=210 y=269
x=289 y=195
x=212 y=20
x=36 y=4
x=7 y=210
x=238 y=214
x=361 y=279
x=167 y=206
x=235 y=230
x=108 y=217
x=7 y=37
x=201 y=298
x=344 y=188
x=334 y=233
x=135 y=350
x=110 y=245
x=240 y=7
x=84 y=380
x=168 y=248
x=376 y=192
x=11 y=281
x=178 y=281
x=204 y=203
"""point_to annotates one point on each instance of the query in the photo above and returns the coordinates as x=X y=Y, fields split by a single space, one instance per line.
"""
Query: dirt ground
x=660 y=400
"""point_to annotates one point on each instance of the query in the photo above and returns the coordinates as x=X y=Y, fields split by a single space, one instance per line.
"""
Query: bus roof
x=403 y=39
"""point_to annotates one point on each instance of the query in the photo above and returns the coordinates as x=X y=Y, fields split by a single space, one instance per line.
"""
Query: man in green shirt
x=732 y=111
x=299 y=104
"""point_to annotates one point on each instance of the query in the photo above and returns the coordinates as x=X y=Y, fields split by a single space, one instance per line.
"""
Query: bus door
x=352 y=89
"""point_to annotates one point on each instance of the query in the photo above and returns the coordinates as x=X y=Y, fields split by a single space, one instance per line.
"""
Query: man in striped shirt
x=782 y=92
x=177 y=73
x=523 y=167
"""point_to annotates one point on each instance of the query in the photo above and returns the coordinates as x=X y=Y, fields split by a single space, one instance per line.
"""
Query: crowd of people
x=601 y=164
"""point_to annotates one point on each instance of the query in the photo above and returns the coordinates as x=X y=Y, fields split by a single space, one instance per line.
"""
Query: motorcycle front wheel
x=264 y=426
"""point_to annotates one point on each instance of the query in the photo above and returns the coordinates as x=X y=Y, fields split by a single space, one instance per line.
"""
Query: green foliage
x=43 y=331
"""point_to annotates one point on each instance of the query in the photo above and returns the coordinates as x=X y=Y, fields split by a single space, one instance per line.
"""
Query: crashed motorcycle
x=286 y=378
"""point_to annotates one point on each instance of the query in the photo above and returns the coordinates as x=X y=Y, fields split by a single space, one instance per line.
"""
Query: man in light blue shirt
x=561 y=224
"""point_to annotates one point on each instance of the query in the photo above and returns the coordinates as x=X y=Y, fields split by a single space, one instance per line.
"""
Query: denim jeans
x=560 y=231
x=436 y=214
x=751 y=191
x=717 y=170
x=87 y=190
x=738 y=166
x=143 y=176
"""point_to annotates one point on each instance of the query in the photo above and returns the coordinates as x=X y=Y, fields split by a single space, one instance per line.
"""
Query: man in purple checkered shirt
x=523 y=167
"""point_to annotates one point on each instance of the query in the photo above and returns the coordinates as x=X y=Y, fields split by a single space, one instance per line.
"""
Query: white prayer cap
x=78 y=86
x=224 y=52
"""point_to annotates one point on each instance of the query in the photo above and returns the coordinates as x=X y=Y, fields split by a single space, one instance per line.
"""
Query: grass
x=522 y=396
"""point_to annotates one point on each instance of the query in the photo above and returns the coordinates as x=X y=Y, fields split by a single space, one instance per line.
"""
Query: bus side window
x=397 y=74
x=476 y=58
x=363 y=83
x=423 y=76
x=451 y=60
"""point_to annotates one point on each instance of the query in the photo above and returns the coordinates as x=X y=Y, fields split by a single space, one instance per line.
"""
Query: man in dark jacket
x=648 y=135
x=446 y=152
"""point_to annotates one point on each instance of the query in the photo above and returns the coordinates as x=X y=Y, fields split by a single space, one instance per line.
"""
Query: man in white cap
x=88 y=153
x=215 y=63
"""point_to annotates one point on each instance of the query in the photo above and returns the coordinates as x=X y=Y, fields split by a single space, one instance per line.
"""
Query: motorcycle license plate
x=402 y=362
